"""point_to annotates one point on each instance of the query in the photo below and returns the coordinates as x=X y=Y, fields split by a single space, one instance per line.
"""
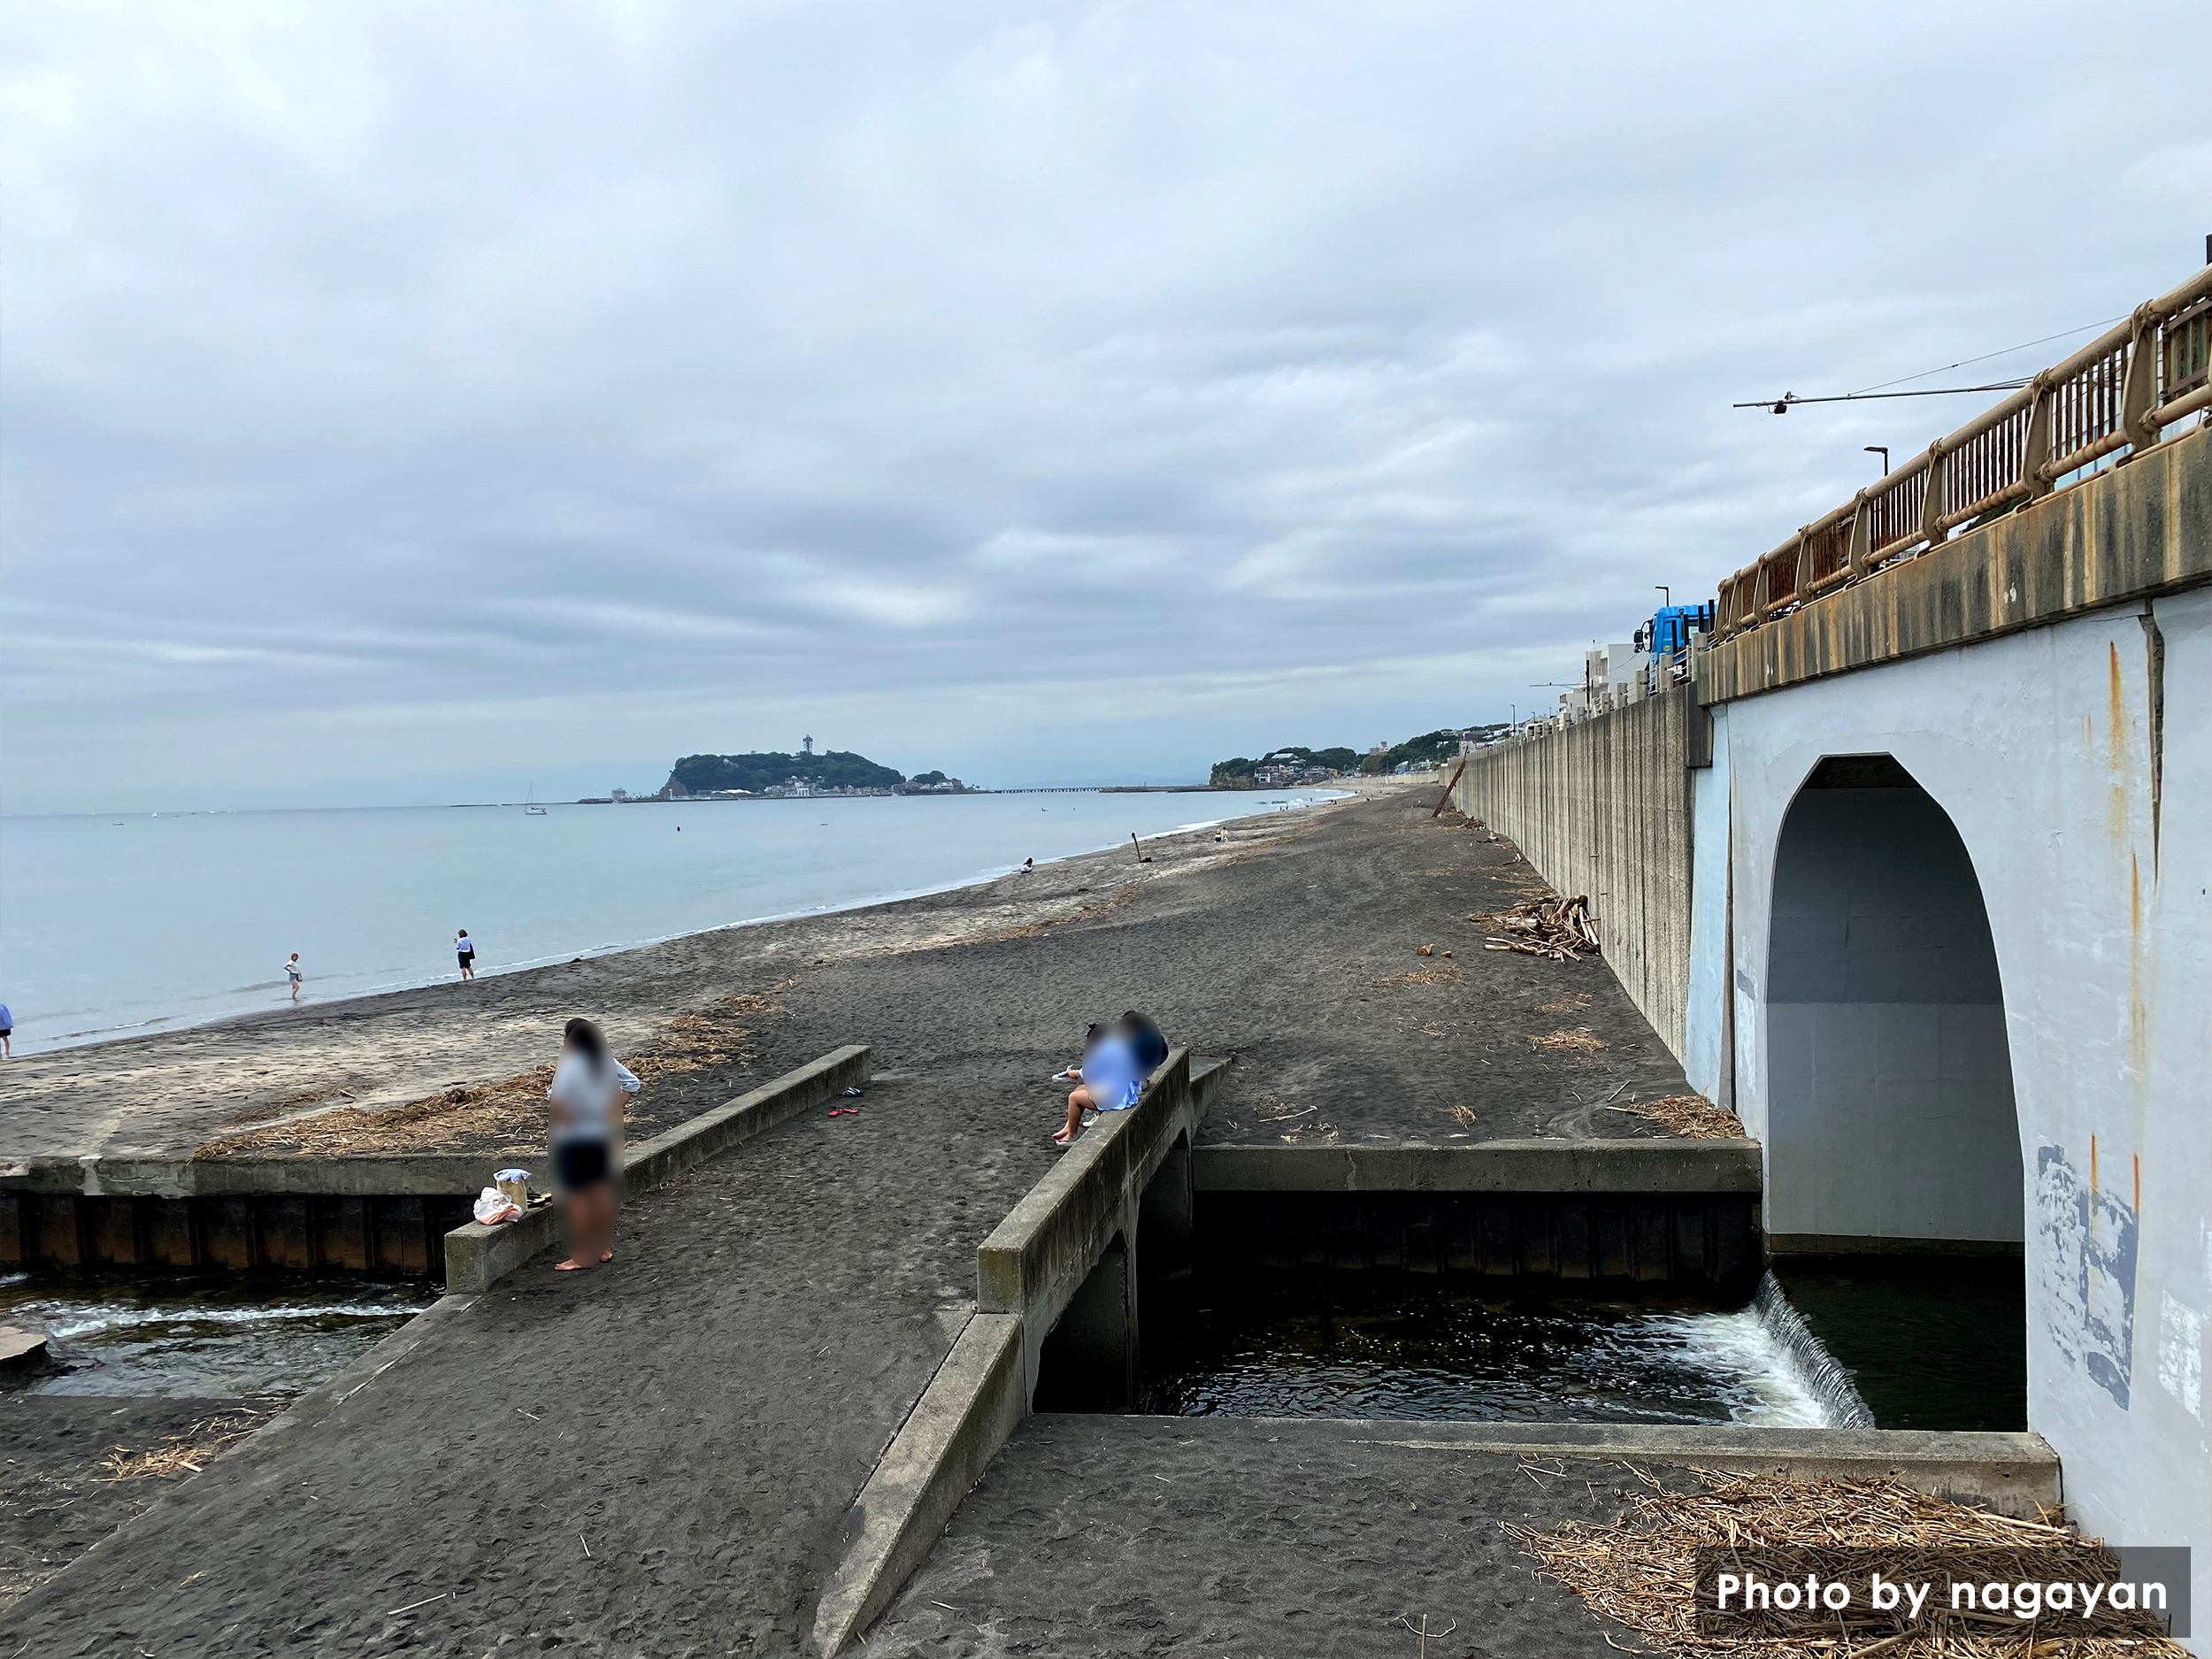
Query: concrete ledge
x=2012 y=1474
x=975 y=1402
x=429 y=1175
x=476 y=1256
x=1859 y=1244
x=1485 y=1166
x=1037 y=1257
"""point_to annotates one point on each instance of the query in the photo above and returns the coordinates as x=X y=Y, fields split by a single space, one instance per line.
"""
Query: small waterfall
x=1820 y=1373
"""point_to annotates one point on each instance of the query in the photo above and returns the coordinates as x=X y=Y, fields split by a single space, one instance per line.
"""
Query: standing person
x=7 y=1031
x=587 y=1087
x=292 y=972
x=465 y=947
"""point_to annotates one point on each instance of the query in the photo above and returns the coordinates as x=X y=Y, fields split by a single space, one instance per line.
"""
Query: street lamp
x=1881 y=449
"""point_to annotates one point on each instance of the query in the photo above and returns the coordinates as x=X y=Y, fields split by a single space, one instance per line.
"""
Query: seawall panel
x=1604 y=808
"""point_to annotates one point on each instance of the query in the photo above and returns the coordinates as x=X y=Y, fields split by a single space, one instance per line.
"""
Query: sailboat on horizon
x=529 y=807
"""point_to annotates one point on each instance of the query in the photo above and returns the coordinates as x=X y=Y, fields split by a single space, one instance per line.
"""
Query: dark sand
x=1268 y=949
x=56 y=1499
x=1113 y=1536
x=700 y=1416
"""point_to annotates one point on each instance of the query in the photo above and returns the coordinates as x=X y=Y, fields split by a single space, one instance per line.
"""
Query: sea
x=115 y=924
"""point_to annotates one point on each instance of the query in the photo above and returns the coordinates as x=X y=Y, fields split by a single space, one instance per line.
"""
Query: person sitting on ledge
x=1145 y=1038
x=1111 y=1078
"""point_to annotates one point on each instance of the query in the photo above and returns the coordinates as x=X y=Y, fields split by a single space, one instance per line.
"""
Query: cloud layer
x=400 y=402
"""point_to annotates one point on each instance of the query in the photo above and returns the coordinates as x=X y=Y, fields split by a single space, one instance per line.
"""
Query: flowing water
x=201 y=1336
x=113 y=925
x=1361 y=1346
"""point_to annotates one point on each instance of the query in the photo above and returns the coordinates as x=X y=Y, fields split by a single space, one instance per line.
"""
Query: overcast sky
x=414 y=402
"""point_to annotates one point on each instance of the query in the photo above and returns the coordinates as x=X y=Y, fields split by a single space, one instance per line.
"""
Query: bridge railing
x=2121 y=391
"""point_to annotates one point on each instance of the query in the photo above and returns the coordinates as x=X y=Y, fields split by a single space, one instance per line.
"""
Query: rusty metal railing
x=2121 y=391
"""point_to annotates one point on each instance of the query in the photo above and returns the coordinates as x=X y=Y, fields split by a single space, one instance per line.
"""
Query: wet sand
x=1288 y=947
x=1219 y=1535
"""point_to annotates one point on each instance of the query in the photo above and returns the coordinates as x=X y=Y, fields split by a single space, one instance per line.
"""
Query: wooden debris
x=1559 y=928
x=1578 y=1041
x=1639 y=1570
x=1688 y=1114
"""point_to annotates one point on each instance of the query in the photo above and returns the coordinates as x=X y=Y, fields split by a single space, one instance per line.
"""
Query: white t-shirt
x=465 y=945
x=292 y=968
x=589 y=1091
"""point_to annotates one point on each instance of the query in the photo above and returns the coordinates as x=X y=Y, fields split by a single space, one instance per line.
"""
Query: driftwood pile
x=1558 y=928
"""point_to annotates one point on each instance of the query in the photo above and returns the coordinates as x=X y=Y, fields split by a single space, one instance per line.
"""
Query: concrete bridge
x=1912 y=871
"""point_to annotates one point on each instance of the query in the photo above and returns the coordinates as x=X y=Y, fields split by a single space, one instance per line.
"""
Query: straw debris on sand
x=185 y=1454
x=1556 y=927
x=510 y=1111
x=1640 y=1570
x=1577 y=1042
x=1689 y=1115
x=1443 y=973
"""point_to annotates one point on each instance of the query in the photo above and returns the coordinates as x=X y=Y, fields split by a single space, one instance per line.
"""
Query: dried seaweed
x=1640 y=1571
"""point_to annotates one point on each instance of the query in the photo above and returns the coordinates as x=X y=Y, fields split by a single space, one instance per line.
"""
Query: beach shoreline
x=170 y=1091
x=132 y=1017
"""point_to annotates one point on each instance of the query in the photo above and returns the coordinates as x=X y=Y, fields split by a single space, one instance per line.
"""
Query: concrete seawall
x=1603 y=808
x=1653 y=1212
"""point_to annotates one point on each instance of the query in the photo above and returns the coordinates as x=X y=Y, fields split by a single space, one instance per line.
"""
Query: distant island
x=1295 y=764
x=770 y=775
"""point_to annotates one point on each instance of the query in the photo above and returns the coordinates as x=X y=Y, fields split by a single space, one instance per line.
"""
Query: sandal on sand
x=570 y=1266
x=606 y=1255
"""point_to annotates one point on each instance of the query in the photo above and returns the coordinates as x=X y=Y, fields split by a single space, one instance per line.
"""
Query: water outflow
x=1817 y=1370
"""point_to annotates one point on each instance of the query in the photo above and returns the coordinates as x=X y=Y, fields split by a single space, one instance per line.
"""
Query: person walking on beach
x=585 y=1100
x=292 y=972
x=465 y=947
x=7 y=1033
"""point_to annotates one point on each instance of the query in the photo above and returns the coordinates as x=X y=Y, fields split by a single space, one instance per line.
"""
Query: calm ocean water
x=111 y=926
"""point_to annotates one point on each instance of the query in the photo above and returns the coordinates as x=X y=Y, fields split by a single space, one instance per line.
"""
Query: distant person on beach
x=585 y=1100
x=1111 y=1078
x=292 y=972
x=7 y=1031
x=465 y=947
x=1029 y=867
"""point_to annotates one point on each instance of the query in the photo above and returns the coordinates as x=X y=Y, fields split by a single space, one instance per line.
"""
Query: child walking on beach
x=292 y=972
x=464 y=948
x=585 y=1100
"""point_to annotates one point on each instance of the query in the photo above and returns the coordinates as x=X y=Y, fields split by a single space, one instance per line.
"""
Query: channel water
x=205 y=1336
x=1284 y=1343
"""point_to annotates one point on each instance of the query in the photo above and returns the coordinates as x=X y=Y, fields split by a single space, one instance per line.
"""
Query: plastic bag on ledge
x=492 y=1206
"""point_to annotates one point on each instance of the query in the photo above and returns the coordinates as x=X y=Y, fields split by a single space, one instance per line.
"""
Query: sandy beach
x=772 y=1315
x=1289 y=943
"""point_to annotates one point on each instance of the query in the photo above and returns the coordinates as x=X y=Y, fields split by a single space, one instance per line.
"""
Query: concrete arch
x=1891 y=1120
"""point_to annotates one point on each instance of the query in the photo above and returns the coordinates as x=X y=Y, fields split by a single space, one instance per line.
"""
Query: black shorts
x=580 y=1163
x=466 y=956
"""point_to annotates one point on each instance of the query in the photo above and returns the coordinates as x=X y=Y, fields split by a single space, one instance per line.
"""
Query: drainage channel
x=205 y=1336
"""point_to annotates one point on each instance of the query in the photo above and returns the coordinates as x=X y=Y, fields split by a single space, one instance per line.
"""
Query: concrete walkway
x=696 y=1417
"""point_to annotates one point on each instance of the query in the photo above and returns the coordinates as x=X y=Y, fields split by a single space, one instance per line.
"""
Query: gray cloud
x=406 y=400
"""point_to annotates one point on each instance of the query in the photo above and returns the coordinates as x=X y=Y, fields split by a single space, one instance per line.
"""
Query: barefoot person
x=464 y=948
x=1111 y=1079
x=292 y=972
x=7 y=1031
x=588 y=1084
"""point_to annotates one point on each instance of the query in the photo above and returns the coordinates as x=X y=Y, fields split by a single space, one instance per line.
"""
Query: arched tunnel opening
x=1895 y=1201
